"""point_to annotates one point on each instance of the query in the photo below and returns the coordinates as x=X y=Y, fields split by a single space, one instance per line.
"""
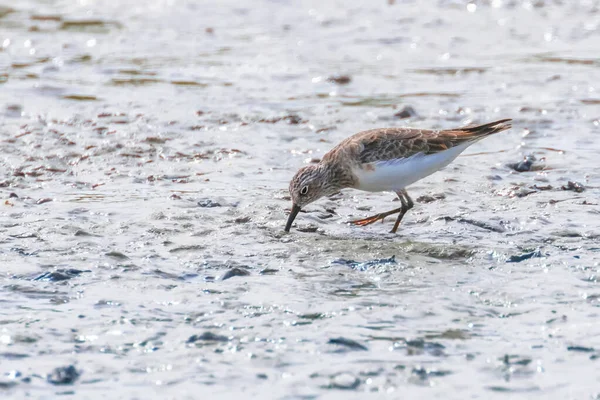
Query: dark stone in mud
x=454 y=334
x=268 y=271
x=80 y=232
x=312 y=316
x=291 y=119
x=193 y=247
x=349 y=343
x=420 y=346
x=406 y=112
x=481 y=224
x=25 y=236
x=235 y=272
x=514 y=359
x=207 y=337
x=424 y=374
x=23 y=252
x=307 y=228
x=208 y=203
x=64 y=375
x=340 y=79
x=186 y=277
x=566 y=233
x=118 y=255
x=505 y=389
x=13 y=356
x=524 y=165
x=106 y=303
x=60 y=275
x=430 y=199
x=574 y=186
x=363 y=266
x=562 y=318
x=161 y=274
x=581 y=349
x=524 y=256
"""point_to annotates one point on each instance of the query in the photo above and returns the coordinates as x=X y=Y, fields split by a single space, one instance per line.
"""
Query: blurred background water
x=146 y=153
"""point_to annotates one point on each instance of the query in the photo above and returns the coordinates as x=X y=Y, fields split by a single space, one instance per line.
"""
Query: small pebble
x=307 y=228
x=430 y=199
x=207 y=337
x=235 y=272
x=340 y=79
x=406 y=112
x=208 y=203
x=64 y=375
x=524 y=165
x=574 y=186
x=118 y=255
x=349 y=343
x=581 y=349
x=523 y=257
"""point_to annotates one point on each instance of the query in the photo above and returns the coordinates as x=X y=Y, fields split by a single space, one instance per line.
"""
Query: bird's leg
x=407 y=204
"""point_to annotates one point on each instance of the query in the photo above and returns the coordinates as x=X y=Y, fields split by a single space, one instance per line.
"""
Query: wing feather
x=397 y=143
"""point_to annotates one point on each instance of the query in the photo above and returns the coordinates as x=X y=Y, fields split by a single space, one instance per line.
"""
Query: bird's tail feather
x=480 y=131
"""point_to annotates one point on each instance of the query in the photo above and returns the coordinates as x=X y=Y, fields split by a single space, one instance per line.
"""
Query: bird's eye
x=304 y=190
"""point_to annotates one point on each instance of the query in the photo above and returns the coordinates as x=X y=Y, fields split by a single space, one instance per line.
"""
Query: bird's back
x=386 y=144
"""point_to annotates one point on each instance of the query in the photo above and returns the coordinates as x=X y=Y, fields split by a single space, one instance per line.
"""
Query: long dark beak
x=292 y=217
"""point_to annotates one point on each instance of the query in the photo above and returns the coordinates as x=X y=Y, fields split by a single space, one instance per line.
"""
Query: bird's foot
x=369 y=220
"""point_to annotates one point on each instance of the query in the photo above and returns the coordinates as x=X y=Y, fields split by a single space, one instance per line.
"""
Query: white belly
x=394 y=175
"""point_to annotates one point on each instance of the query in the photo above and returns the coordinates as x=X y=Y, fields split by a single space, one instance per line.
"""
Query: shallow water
x=146 y=152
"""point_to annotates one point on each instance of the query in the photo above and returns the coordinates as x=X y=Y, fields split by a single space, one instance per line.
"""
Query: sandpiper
x=386 y=159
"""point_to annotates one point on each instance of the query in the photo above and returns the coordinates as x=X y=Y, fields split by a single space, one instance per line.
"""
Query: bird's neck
x=339 y=175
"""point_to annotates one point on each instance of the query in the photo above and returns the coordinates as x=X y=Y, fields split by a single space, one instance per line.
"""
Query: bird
x=384 y=159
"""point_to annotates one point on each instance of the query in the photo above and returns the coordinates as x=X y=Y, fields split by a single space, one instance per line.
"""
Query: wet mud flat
x=146 y=153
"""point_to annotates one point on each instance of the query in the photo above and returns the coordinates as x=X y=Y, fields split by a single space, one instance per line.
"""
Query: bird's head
x=309 y=184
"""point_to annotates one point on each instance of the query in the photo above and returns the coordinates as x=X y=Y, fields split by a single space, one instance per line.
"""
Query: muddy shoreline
x=146 y=154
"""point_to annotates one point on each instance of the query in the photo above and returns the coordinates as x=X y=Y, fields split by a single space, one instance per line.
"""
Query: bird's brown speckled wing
x=395 y=143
